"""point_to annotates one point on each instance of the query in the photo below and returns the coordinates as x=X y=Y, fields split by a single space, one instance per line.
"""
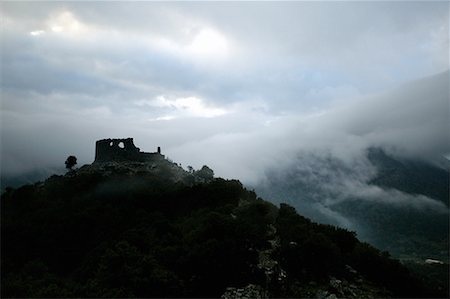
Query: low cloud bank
x=411 y=121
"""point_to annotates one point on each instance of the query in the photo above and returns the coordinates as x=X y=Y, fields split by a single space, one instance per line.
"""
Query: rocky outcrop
x=274 y=275
x=355 y=288
x=163 y=169
x=251 y=291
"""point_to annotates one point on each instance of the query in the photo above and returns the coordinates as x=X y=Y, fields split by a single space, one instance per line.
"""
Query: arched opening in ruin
x=121 y=145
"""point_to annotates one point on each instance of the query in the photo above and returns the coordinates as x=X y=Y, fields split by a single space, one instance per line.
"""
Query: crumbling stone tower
x=109 y=150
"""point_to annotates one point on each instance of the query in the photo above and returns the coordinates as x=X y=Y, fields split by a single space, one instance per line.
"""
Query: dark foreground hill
x=134 y=229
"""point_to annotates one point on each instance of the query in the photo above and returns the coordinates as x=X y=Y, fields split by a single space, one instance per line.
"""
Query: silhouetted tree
x=71 y=161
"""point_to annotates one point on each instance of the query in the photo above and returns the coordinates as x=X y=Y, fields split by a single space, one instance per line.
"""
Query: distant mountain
x=411 y=176
x=400 y=205
x=29 y=177
x=151 y=229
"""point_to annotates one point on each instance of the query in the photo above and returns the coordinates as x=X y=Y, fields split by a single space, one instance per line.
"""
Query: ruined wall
x=107 y=150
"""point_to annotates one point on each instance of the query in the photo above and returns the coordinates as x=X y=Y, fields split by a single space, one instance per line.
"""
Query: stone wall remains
x=109 y=150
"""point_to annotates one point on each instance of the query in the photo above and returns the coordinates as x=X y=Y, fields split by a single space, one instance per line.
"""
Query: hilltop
x=148 y=228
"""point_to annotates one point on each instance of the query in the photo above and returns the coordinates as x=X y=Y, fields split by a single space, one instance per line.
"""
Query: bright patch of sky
x=182 y=107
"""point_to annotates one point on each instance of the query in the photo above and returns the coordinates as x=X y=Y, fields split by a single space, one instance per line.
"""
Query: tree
x=205 y=173
x=71 y=161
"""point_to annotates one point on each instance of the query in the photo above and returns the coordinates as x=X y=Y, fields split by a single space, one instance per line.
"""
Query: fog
x=240 y=87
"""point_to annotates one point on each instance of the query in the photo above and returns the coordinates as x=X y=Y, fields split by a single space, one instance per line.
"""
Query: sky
x=239 y=86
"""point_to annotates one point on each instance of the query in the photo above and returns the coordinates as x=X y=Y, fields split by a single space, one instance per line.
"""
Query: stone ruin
x=118 y=150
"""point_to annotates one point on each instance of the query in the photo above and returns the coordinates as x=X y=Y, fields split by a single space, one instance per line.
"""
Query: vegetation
x=71 y=161
x=122 y=235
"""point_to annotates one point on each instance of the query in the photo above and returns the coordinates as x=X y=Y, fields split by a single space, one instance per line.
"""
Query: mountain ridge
x=152 y=229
